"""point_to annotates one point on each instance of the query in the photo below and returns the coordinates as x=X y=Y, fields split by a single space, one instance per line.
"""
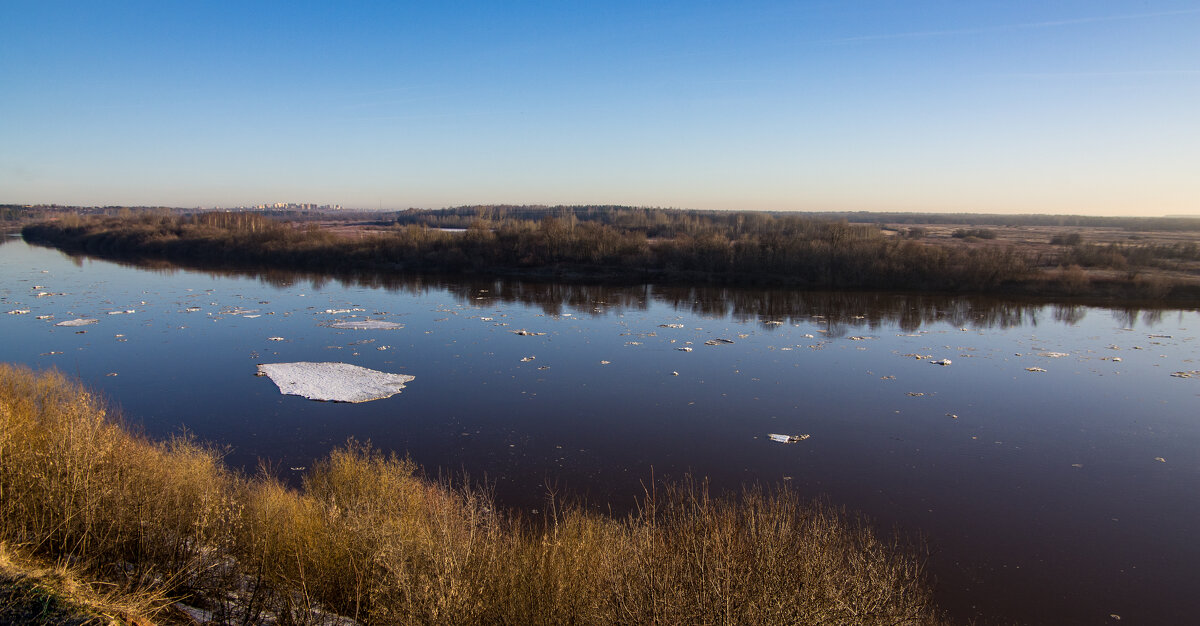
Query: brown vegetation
x=662 y=246
x=368 y=538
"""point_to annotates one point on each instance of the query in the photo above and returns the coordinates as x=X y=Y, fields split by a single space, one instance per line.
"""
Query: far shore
x=1107 y=263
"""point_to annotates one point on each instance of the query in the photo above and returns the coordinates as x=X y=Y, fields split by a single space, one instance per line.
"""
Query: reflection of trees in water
x=1128 y=317
x=1069 y=313
x=834 y=312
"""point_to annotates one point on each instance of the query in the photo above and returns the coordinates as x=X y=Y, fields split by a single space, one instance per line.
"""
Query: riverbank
x=366 y=537
x=792 y=252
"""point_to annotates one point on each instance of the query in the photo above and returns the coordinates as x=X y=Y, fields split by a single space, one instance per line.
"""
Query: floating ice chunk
x=670 y=325
x=526 y=333
x=1034 y=369
x=77 y=322
x=333 y=382
x=1053 y=355
x=367 y=325
x=941 y=362
x=718 y=342
x=787 y=438
x=18 y=312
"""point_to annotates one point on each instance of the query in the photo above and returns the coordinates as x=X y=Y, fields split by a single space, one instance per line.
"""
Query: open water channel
x=1053 y=466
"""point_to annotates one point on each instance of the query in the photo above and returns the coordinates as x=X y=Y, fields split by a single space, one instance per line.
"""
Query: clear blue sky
x=1051 y=107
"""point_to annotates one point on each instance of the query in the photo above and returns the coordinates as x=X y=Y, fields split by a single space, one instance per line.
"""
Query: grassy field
x=368 y=538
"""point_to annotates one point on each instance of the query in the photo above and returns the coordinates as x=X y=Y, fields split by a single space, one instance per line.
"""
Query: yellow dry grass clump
x=369 y=539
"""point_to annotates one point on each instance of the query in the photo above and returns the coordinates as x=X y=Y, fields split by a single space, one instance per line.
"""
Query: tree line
x=598 y=243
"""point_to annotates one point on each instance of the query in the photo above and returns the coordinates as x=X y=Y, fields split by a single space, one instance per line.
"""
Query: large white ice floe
x=367 y=325
x=333 y=382
x=77 y=322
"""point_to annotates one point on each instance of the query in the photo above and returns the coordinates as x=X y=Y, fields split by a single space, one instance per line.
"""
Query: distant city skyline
x=1016 y=107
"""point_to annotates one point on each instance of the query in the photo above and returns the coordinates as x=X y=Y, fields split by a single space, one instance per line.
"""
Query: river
x=1053 y=497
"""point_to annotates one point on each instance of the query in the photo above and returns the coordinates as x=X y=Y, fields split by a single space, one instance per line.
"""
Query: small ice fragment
x=1034 y=369
x=941 y=362
x=1053 y=355
x=333 y=382
x=1160 y=459
x=77 y=322
x=367 y=325
x=787 y=438
x=526 y=333
x=18 y=312
x=717 y=342
x=528 y=359
x=684 y=349
x=274 y=338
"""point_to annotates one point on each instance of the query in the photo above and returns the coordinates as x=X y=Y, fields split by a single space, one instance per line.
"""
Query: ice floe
x=77 y=322
x=333 y=382
x=367 y=325
x=787 y=438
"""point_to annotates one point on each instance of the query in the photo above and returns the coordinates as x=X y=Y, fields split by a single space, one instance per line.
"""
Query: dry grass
x=32 y=592
x=368 y=538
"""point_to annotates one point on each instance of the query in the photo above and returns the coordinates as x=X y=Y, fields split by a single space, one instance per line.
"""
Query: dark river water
x=1061 y=496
